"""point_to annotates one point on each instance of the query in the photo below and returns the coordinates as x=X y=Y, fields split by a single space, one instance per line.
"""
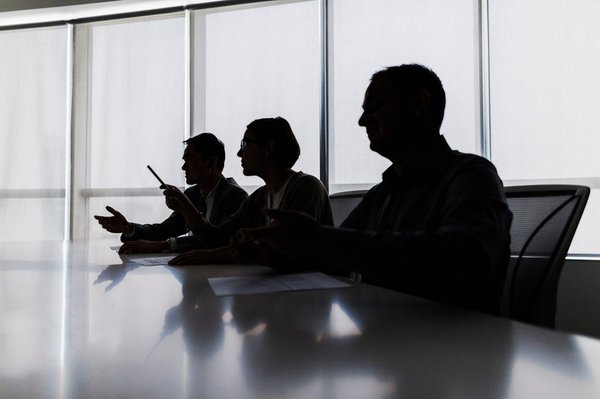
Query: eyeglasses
x=244 y=143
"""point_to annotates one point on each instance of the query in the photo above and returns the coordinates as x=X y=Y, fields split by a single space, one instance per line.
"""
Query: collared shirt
x=209 y=199
x=441 y=230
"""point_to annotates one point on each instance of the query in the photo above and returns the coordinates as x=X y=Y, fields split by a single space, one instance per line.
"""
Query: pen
x=162 y=183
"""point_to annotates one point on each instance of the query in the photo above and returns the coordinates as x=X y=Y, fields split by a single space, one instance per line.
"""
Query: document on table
x=153 y=260
x=273 y=283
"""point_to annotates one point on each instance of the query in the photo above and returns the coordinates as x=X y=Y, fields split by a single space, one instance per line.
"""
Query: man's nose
x=362 y=119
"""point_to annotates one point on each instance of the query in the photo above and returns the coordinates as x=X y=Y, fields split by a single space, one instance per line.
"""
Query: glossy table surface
x=79 y=321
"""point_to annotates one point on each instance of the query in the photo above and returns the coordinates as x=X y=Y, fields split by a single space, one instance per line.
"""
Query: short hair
x=279 y=131
x=208 y=145
x=407 y=79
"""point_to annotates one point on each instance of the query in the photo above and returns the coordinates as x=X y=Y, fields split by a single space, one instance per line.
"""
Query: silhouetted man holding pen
x=436 y=226
x=216 y=196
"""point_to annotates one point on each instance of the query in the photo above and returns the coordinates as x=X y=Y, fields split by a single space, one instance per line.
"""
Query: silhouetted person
x=269 y=150
x=216 y=196
x=437 y=226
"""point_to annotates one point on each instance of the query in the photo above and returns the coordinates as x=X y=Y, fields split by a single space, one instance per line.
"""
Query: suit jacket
x=228 y=198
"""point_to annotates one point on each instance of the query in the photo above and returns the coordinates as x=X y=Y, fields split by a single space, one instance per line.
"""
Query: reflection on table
x=80 y=321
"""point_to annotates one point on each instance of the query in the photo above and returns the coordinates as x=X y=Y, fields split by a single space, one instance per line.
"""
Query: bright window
x=33 y=133
x=248 y=61
x=544 y=84
x=370 y=35
x=136 y=117
x=256 y=62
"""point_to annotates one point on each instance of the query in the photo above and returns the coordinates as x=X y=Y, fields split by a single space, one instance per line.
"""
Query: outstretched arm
x=144 y=247
x=206 y=256
x=117 y=223
x=290 y=233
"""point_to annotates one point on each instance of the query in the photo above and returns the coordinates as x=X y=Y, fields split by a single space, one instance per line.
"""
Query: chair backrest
x=343 y=203
x=545 y=218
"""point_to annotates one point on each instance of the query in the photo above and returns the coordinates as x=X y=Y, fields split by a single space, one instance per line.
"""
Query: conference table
x=78 y=320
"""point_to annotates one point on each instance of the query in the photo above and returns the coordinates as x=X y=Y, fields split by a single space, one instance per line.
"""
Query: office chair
x=343 y=203
x=545 y=218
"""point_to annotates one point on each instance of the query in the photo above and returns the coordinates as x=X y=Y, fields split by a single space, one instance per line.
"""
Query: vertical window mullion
x=486 y=149
x=188 y=99
x=69 y=150
x=324 y=109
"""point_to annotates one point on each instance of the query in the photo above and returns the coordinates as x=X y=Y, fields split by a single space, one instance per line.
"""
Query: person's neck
x=276 y=178
x=418 y=152
x=210 y=182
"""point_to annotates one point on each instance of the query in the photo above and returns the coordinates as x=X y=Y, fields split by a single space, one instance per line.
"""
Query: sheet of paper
x=273 y=283
x=153 y=260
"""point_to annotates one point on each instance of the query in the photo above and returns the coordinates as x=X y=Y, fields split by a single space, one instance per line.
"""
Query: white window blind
x=33 y=133
x=370 y=35
x=544 y=62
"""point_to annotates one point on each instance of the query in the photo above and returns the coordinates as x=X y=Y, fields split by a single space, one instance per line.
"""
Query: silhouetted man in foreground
x=437 y=226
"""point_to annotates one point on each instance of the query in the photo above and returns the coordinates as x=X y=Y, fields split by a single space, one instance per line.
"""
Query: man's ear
x=212 y=161
x=420 y=101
